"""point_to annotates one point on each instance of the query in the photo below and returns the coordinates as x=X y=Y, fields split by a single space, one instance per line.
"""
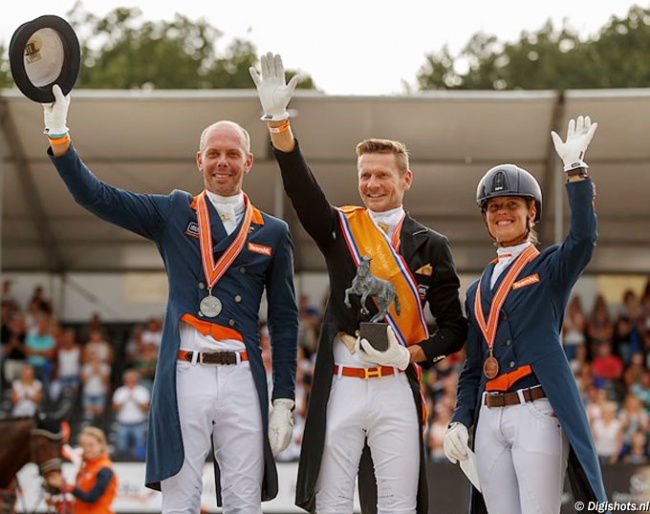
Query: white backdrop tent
x=145 y=141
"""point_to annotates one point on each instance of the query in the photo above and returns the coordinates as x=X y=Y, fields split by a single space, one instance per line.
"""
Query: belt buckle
x=521 y=396
x=201 y=354
x=372 y=373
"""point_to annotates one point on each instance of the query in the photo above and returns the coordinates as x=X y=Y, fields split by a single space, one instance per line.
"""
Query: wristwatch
x=578 y=172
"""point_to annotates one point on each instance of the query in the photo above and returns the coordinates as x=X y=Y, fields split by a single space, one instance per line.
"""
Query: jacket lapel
x=412 y=236
x=487 y=293
x=220 y=238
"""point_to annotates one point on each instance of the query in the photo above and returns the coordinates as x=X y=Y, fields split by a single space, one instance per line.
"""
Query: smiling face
x=508 y=219
x=224 y=158
x=91 y=446
x=381 y=183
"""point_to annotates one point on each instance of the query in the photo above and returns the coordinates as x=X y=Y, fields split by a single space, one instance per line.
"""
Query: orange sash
x=364 y=238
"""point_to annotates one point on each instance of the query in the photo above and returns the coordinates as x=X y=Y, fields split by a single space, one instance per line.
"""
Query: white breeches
x=219 y=404
x=383 y=411
x=522 y=456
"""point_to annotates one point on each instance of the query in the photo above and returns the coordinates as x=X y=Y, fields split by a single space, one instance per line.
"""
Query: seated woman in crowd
x=26 y=393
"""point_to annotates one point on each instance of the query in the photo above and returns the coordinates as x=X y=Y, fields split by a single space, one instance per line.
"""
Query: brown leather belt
x=513 y=398
x=365 y=373
x=225 y=357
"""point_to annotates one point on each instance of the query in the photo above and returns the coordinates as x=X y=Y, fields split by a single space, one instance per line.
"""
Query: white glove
x=578 y=137
x=455 y=442
x=280 y=424
x=395 y=355
x=56 y=114
x=275 y=94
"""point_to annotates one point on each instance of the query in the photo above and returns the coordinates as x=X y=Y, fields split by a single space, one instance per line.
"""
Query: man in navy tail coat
x=221 y=254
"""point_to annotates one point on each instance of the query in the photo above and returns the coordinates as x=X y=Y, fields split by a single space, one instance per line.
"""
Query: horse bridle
x=8 y=495
x=52 y=464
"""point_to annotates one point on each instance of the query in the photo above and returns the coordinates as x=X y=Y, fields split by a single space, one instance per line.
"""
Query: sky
x=351 y=47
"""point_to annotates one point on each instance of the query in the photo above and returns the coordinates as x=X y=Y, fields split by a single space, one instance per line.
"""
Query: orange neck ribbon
x=212 y=270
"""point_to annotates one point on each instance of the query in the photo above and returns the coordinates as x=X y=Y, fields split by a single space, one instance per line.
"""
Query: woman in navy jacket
x=516 y=389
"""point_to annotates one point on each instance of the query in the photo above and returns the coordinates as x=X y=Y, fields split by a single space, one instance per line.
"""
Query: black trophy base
x=375 y=334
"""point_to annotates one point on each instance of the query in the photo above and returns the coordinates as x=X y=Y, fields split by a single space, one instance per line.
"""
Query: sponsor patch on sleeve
x=264 y=250
x=192 y=229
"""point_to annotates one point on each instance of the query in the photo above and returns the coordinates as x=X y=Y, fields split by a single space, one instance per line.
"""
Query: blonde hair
x=388 y=146
x=97 y=433
x=533 y=237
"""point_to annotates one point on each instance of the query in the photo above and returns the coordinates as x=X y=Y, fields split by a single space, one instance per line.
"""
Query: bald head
x=226 y=126
x=224 y=157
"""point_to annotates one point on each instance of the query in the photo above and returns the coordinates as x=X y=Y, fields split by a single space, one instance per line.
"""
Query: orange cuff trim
x=60 y=140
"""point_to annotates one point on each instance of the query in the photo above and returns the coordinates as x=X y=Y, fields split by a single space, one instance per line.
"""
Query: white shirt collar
x=230 y=208
x=505 y=255
x=227 y=203
x=390 y=217
x=511 y=252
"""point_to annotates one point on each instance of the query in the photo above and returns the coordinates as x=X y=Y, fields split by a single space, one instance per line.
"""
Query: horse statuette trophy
x=365 y=284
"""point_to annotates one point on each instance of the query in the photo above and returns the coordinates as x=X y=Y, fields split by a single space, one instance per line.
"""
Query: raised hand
x=572 y=151
x=272 y=89
x=56 y=114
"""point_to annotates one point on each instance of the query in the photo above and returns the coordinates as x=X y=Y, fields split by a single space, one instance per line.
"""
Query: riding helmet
x=509 y=180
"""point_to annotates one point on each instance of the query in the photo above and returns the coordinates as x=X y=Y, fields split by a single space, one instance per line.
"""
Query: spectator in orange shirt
x=96 y=483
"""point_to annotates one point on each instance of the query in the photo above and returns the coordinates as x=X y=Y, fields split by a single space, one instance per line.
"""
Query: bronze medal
x=489 y=327
x=491 y=367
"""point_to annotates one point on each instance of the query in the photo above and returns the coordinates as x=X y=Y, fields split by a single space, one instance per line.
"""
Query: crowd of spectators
x=82 y=372
x=109 y=381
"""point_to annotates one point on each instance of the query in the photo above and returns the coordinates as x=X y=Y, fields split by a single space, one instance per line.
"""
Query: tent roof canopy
x=146 y=142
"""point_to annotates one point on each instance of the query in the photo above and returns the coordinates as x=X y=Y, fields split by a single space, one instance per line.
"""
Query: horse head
x=364 y=265
x=46 y=444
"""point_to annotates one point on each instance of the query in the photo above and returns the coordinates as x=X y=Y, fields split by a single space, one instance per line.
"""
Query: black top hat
x=44 y=52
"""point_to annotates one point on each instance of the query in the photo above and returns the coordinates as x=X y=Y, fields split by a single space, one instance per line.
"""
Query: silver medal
x=210 y=306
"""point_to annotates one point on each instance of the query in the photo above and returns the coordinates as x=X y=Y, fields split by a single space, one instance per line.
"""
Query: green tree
x=549 y=58
x=620 y=54
x=122 y=51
